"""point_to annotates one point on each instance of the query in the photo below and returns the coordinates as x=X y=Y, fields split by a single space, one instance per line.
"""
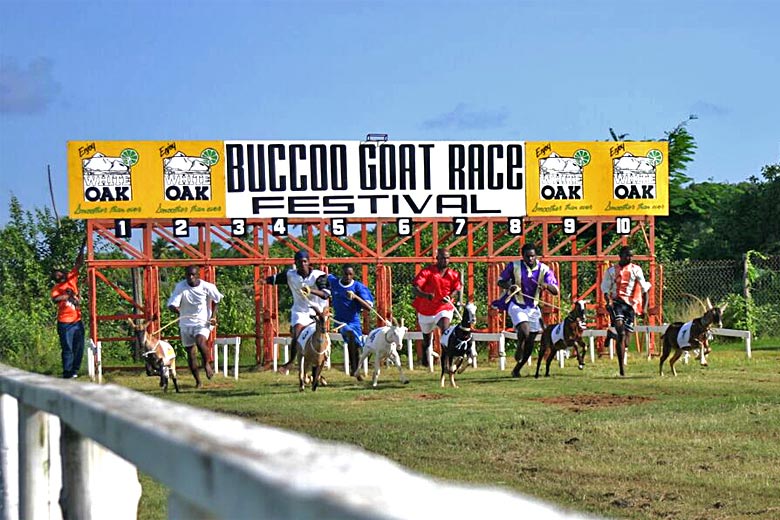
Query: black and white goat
x=564 y=335
x=457 y=350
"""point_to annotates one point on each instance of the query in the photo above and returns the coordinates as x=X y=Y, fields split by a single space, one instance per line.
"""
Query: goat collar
x=387 y=340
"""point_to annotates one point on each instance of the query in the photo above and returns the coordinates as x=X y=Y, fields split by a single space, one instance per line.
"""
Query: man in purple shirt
x=524 y=282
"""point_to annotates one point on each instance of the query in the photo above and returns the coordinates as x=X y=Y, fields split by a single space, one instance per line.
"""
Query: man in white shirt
x=309 y=288
x=196 y=302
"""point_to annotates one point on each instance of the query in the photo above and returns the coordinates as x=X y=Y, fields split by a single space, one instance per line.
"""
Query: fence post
x=39 y=464
x=96 y=483
x=9 y=458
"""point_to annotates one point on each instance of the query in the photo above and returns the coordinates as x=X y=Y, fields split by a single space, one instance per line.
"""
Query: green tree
x=31 y=243
x=746 y=219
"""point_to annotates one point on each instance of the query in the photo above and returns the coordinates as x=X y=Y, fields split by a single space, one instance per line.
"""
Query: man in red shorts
x=435 y=288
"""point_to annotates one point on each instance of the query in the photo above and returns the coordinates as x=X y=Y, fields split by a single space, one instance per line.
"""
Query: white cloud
x=26 y=90
x=465 y=118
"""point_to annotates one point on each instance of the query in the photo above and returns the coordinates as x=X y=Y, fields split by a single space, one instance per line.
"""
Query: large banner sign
x=598 y=178
x=370 y=179
x=358 y=179
x=146 y=179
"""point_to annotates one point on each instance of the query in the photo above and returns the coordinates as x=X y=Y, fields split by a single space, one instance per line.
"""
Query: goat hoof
x=406 y=381
x=581 y=367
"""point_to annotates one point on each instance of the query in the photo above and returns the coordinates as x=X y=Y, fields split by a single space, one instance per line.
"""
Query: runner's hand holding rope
x=517 y=290
x=447 y=299
x=352 y=296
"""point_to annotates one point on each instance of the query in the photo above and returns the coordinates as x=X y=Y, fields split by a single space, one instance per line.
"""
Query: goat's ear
x=708 y=302
x=723 y=307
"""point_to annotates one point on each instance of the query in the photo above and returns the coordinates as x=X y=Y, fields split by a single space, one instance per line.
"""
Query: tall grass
x=705 y=444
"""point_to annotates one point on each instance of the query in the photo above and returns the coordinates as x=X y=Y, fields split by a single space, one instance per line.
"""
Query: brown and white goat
x=564 y=335
x=383 y=343
x=313 y=350
x=159 y=355
x=690 y=336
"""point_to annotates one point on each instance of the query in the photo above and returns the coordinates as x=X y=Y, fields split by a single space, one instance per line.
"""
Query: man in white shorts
x=196 y=302
x=435 y=287
x=309 y=288
x=524 y=282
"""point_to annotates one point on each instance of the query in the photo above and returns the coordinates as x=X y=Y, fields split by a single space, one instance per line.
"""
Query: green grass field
x=703 y=445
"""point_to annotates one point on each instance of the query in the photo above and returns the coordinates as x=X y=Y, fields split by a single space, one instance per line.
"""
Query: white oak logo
x=189 y=178
x=107 y=179
x=635 y=177
x=562 y=177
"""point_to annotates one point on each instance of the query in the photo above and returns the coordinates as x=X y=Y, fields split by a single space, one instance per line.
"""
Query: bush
x=27 y=344
x=761 y=320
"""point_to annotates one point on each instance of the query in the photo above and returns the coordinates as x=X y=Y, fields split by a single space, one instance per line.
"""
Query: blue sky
x=416 y=70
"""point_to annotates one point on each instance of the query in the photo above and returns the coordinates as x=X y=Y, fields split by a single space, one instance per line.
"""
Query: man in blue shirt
x=350 y=298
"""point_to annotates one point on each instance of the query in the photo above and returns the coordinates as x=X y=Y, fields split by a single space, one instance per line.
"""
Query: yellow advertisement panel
x=597 y=178
x=146 y=179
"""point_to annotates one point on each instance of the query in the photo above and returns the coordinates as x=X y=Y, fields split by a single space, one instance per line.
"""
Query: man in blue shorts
x=349 y=299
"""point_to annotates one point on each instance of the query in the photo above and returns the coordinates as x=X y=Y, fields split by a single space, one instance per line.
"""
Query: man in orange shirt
x=70 y=328
x=625 y=292
x=435 y=288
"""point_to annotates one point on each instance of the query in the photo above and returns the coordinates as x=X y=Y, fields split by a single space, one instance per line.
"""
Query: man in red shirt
x=70 y=328
x=435 y=287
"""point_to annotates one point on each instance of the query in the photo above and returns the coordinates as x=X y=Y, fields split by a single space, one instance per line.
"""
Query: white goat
x=383 y=343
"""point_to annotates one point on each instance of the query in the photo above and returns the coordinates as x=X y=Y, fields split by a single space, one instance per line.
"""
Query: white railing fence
x=79 y=444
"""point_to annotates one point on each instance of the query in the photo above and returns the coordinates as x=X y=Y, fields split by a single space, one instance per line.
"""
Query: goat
x=693 y=335
x=383 y=343
x=159 y=355
x=564 y=335
x=314 y=349
x=456 y=346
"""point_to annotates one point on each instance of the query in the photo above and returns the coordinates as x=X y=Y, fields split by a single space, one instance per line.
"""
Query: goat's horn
x=698 y=300
x=395 y=322
x=402 y=322
x=709 y=303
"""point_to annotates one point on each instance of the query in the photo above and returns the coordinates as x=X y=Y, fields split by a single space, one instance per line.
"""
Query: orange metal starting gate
x=594 y=241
